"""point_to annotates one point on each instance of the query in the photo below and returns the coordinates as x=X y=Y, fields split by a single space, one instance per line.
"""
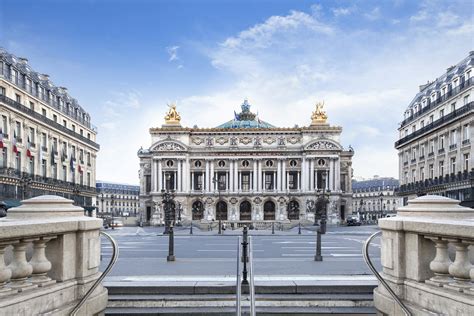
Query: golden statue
x=172 y=117
x=319 y=115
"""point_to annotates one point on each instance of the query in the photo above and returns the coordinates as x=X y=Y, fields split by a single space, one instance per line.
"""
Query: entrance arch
x=269 y=211
x=197 y=210
x=293 y=210
x=245 y=211
x=221 y=211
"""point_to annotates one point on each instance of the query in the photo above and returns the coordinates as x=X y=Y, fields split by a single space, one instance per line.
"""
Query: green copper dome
x=245 y=119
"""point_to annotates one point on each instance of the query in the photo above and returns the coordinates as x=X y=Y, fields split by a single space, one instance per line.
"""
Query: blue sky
x=125 y=60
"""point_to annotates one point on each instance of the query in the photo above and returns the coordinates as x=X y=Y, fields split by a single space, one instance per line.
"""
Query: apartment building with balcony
x=435 y=138
x=47 y=142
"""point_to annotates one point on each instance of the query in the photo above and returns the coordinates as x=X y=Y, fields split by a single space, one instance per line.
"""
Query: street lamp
x=219 y=183
x=322 y=201
x=180 y=209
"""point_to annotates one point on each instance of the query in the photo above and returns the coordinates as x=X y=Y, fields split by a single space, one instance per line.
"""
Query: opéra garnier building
x=246 y=169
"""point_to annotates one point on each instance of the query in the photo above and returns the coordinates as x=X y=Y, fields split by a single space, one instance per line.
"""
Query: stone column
x=283 y=176
x=254 y=176
x=153 y=166
x=304 y=172
x=160 y=176
x=192 y=182
x=178 y=188
x=212 y=176
x=311 y=175
x=260 y=184
x=331 y=174
x=231 y=175
x=206 y=177
x=41 y=265
x=236 y=176
x=278 y=184
x=338 y=174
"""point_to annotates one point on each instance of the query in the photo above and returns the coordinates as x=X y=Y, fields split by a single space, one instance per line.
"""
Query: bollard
x=244 y=257
x=318 y=256
x=273 y=228
x=220 y=228
x=299 y=228
x=191 y=228
x=171 y=256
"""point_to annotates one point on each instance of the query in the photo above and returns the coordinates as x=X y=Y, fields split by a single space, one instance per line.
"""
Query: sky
x=125 y=60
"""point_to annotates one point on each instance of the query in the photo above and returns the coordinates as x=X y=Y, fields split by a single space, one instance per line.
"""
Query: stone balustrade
x=49 y=258
x=427 y=256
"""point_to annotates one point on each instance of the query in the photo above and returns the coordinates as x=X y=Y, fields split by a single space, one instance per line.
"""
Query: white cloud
x=172 y=52
x=374 y=14
x=342 y=11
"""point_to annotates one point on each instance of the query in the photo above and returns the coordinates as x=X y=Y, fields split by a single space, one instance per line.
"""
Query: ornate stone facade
x=246 y=169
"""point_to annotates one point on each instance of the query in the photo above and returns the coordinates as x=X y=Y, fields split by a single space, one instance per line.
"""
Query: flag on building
x=79 y=169
x=1 y=138
x=71 y=163
x=28 y=146
x=14 y=148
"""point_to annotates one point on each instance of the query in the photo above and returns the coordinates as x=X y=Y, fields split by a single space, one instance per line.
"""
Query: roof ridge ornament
x=319 y=116
x=172 y=117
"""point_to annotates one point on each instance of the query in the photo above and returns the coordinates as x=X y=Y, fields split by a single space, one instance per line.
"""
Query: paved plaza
x=143 y=252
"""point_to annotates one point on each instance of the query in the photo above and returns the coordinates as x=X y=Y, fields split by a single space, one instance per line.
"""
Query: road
x=143 y=252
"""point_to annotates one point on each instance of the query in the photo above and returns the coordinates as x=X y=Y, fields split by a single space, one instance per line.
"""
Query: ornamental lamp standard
x=180 y=209
x=219 y=183
x=102 y=200
x=321 y=206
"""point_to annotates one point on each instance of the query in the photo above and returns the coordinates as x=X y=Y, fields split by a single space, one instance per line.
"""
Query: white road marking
x=346 y=254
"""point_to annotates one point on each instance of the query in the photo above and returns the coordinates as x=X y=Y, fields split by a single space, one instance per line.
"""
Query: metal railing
x=115 y=254
x=251 y=281
x=239 y=279
x=369 y=263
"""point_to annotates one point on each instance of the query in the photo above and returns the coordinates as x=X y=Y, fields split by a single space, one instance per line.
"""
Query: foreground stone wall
x=427 y=253
x=49 y=258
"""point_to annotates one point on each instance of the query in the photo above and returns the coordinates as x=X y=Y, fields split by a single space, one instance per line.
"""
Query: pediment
x=168 y=146
x=323 y=145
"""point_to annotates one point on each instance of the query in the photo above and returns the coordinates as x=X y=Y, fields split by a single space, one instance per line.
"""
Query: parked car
x=353 y=221
x=116 y=223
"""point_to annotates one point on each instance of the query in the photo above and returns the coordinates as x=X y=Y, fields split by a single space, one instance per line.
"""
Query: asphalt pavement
x=143 y=252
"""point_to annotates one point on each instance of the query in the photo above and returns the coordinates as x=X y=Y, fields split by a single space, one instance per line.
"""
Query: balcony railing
x=453 y=146
x=430 y=127
x=11 y=172
x=423 y=186
x=433 y=104
x=441 y=151
x=422 y=157
x=466 y=142
x=46 y=120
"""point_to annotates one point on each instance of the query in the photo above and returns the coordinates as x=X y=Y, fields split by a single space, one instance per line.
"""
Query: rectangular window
x=422 y=150
x=18 y=132
x=14 y=76
x=43 y=141
x=197 y=177
x=269 y=181
x=466 y=162
x=453 y=107
x=466 y=99
x=43 y=168
x=81 y=132
x=422 y=174
x=452 y=139
x=441 y=113
x=431 y=118
x=432 y=146
x=453 y=165
x=54 y=170
x=89 y=161
x=55 y=118
x=73 y=128
x=18 y=161
x=43 y=111
x=441 y=142
x=413 y=151
x=88 y=179
x=18 y=98
x=32 y=106
x=64 y=173
x=431 y=171
x=4 y=126
x=81 y=156
x=3 y=157
x=31 y=166
x=413 y=174
x=88 y=135
x=422 y=124
x=413 y=128
x=465 y=132
x=31 y=137
x=441 y=169
x=2 y=90
x=245 y=186
x=293 y=180
x=222 y=181
x=64 y=123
